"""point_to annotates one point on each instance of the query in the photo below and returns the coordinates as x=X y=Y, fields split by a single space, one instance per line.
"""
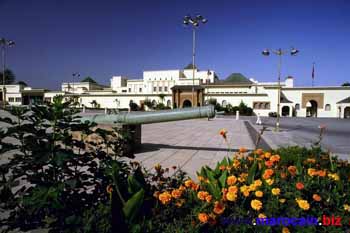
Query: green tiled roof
x=237 y=78
x=190 y=67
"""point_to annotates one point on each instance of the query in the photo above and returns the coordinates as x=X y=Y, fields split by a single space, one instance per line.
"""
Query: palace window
x=11 y=99
x=160 y=88
x=327 y=107
x=18 y=99
x=297 y=106
x=154 y=89
x=261 y=105
x=140 y=89
x=165 y=88
x=129 y=89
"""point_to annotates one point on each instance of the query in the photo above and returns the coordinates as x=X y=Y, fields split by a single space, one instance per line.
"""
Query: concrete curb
x=253 y=133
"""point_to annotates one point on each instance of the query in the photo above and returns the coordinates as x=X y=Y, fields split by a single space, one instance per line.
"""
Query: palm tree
x=9 y=77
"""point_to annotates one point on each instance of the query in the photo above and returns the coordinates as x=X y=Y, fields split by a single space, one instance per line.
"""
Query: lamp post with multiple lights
x=279 y=52
x=4 y=43
x=194 y=22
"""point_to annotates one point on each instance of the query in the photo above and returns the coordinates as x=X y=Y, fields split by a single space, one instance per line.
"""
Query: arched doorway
x=311 y=108
x=186 y=104
x=285 y=111
x=168 y=103
x=347 y=112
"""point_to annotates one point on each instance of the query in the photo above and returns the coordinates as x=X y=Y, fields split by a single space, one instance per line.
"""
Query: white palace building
x=174 y=89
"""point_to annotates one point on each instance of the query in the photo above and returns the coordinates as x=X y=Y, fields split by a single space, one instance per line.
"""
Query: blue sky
x=55 y=38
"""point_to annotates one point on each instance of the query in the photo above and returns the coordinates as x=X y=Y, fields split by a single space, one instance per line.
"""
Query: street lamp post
x=194 y=22
x=279 y=52
x=4 y=44
x=75 y=75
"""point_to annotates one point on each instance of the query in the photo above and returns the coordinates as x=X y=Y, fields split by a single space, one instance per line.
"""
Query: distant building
x=174 y=89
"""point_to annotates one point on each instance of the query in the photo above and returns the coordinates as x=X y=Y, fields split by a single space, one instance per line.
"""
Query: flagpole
x=313 y=73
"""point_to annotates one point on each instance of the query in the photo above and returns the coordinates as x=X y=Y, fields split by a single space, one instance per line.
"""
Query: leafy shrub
x=272 y=114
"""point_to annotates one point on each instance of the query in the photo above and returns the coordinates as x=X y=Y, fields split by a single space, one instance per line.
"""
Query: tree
x=22 y=83
x=9 y=77
x=346 y=84
x=161 y=97
x=89 y=79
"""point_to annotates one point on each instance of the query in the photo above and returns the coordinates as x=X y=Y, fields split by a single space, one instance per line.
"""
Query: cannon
x=131 y=121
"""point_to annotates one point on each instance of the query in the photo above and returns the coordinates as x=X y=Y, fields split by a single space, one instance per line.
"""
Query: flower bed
x=289 y=190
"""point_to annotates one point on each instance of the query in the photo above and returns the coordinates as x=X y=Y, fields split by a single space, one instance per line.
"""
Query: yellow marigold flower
x=157 y=167
x=244 y=188
x=202 y=195
x=188 y=183
x=267 y=155
x=282 y=200
x=203 y=217
x=259 y=151
x=176 y=193
x=165 y=197
x=256 y=204
x=219 y=208
x=208 y=198
x=228 y=168
x=268 y=173
x=182 y=188
x=311 y=172
x=246 y=193
x=261 y=215
x=334 y=176
x=346 y=207
x=259 y=193
x=316 y=197
x=276 y=191
x=285 y=230
x=231 y=180
x=303 y=204
x=231 y=196
x=269 y=181
x=200 y=178
x=252 y=187
x=232 y=189
x=250 y=158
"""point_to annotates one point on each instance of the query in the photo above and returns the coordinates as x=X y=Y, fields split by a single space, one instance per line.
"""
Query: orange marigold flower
x=223 y=133
x=292 y=170
x=202 y=195
x=165 y=197
x=275 y=158
x=261 y=215
x=310 y=160
x=176 y=193
x=316 y=197
x=256 y=204
x=236 y=163
x=259 y=151
x=222 y=167
x=203 y=217
x=200 y=178
x=208 y=198
x=243 y=177
x=259 y=193
x=303 y=204
x=231 y=180
x=182 y=188
x=109 y=189
x=285 y=230
x=250 y=158
x=232 y=189
x=195 y=187
x=268 y=163
x=283 y=175
x=299 y=185
x=321 y=173
x=219 y=208
x=156 y=194
x=224 y=192
x=243 y=150
x=257 y=183
x=267 y=174
x=188 y=183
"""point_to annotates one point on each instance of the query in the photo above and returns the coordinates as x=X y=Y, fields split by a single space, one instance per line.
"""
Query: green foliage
x=346 y=84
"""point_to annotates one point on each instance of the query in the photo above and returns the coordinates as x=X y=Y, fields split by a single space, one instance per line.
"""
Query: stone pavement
x=191 y=144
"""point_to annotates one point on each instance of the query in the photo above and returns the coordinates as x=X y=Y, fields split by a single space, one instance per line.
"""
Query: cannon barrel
x=137 y=118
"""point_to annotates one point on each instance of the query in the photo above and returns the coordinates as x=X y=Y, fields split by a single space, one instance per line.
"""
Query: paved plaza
x=191 y=144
